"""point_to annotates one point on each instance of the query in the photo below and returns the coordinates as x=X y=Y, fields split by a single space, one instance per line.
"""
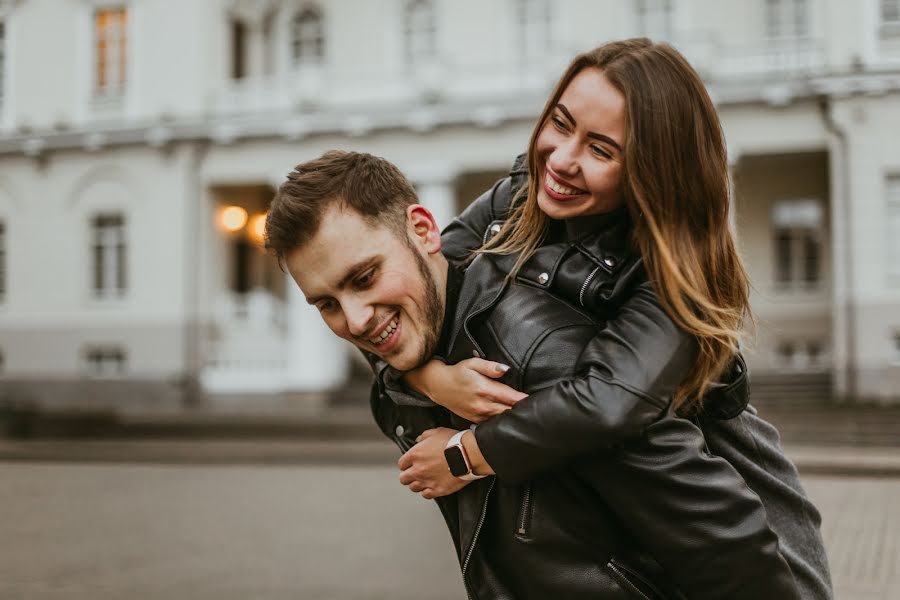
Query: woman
x=628 y=136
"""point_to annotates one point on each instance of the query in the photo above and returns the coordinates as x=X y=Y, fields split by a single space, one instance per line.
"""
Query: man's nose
x=359 y=317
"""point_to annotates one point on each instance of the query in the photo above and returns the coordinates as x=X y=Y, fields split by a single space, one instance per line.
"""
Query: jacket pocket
x=633 y=582
x=523 y=522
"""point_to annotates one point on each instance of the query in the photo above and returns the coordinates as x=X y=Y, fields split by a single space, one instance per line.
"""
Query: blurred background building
x=140 y=143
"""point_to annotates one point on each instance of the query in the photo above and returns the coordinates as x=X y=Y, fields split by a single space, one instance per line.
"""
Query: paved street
x=104 y=531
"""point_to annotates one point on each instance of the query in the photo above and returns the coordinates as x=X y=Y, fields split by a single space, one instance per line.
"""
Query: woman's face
x=580 y=147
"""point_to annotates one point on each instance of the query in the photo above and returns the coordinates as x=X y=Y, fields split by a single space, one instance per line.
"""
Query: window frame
x=108 y=261
x=104 y=52
x=419 y=39
x=315 y=28
x=98 y=359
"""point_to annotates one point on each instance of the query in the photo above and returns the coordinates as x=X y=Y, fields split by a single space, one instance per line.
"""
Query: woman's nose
x=563 y=159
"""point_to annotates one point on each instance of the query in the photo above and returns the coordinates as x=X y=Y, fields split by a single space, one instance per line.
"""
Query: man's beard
x=433 y=308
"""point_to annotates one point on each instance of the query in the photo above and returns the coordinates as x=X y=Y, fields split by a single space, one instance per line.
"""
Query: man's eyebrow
x=351 y=273
x=597 y=136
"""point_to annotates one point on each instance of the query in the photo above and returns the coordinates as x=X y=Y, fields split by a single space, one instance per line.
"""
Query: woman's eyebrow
x=597 y=136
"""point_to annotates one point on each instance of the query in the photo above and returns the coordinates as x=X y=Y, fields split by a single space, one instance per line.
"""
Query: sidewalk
x=344 y=435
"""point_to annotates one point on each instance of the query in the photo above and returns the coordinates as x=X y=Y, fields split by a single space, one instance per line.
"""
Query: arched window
x=308 y=36
x=420 y=31
x=533 y=20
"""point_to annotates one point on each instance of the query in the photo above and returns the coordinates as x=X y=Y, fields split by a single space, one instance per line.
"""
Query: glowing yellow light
x=257 y=229
x=233 y=218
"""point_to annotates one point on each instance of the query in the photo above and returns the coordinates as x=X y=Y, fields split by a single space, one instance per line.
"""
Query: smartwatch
x=458 y=460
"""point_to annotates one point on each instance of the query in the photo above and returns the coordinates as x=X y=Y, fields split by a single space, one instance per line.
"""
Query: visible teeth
x=386 y=333
x=561 y=189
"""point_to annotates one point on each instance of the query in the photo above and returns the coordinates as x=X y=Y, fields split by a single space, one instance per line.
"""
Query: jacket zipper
x=475 y=536
x=621 y=574
x=524 y=514
x=586 y=283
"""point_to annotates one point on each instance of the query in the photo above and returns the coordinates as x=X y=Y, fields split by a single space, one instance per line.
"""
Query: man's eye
x=325 y=306
x=365 y=279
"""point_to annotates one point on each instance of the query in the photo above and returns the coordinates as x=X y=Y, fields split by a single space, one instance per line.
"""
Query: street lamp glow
x=257 y=229
x=233 y=218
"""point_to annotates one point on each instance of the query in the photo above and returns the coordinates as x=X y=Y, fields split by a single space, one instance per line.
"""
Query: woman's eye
x=559 y=123
x=599 y=151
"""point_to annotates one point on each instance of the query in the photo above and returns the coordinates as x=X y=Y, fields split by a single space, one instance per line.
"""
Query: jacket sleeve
x=624 y=381
x=692 y=512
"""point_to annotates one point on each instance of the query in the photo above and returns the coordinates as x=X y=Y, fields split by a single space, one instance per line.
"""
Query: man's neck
x=452 y=277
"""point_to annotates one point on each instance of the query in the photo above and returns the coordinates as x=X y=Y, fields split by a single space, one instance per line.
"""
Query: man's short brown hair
x=369 y=185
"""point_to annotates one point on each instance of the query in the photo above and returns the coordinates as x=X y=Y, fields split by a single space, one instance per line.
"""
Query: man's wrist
x=477 y=461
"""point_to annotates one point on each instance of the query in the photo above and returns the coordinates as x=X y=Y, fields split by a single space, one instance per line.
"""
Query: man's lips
x=386 y=334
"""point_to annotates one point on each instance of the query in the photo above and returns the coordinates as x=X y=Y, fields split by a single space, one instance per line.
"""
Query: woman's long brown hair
x=675 y=185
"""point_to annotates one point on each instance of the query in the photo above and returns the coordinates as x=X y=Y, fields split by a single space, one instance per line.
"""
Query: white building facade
x=128 y=127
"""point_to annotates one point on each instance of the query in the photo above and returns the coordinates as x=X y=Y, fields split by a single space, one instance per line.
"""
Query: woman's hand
x=424 y=469
x=467 y=388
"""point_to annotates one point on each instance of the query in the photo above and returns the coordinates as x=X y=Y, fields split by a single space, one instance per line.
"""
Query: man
x=656 y=515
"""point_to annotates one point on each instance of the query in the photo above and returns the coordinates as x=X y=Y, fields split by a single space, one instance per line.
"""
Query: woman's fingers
x=488 y=368
x=503 y=394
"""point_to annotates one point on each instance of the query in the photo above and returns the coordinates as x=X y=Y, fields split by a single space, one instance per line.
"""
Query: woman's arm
x=625 y=379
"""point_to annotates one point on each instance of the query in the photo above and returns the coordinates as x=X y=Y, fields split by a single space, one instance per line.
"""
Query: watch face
x=456 y=461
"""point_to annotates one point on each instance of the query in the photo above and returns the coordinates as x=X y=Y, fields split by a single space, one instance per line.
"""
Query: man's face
x=371 y=287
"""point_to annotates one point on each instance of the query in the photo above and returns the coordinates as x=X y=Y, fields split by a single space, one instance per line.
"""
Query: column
x=435 y=185
x=317 y=360
x=842 y=338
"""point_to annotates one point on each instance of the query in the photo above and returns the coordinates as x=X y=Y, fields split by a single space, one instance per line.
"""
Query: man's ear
x=424 y=227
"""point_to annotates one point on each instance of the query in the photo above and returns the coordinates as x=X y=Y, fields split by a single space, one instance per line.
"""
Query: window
x=787 y=19
x=308 y=36
x=895 y=346
x=798 y=242
x=111 y=42
x=655 y=19
x=890 y=12
x=534 y=27
x=238 y=50
x=104 y=361
x=2 y=261
x=109 y=255
x=892 y=235
x=2 y=56
x=420 y=32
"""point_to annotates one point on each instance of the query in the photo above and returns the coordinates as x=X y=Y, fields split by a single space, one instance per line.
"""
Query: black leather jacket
x=601 y=275
x=653 y=515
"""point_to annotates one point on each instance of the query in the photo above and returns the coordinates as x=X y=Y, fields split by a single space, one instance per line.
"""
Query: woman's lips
x=558 y=190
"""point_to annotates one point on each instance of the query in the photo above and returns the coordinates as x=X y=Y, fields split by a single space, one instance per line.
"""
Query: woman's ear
x=424 y=228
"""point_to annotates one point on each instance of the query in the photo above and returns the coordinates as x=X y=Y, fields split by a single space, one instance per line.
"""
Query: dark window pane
x=783 y=262
x=811 y=255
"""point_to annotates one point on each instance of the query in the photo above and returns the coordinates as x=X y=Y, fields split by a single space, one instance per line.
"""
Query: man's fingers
x=428 y=494
x=416 y=486
x=426 y=434
x=406 y=461
x=406 y=477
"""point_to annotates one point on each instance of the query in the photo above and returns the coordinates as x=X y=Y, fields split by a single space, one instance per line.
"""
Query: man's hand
x=467 y=388
x=424 y=469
